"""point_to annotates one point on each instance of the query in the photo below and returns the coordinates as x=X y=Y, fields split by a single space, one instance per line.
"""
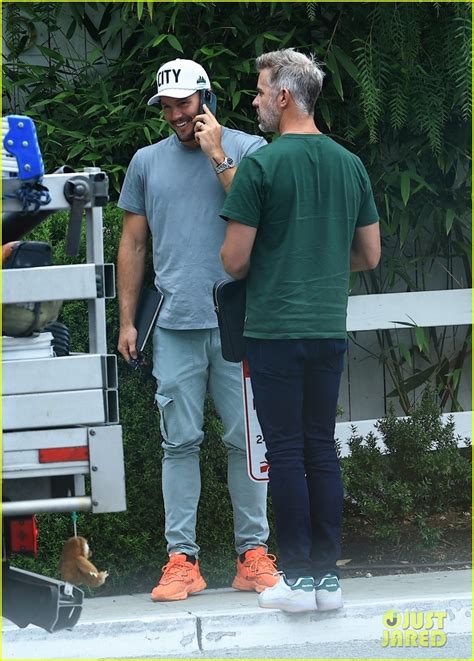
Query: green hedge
x=418 y=471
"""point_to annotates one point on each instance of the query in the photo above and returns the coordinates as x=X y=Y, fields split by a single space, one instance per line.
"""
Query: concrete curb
x=216 y=620
x=141 y=637
x=355 y=622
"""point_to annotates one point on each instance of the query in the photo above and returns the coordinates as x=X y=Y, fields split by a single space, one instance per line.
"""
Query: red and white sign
x=256 y=463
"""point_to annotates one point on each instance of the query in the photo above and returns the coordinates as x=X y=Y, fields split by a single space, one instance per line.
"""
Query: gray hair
x=300 y=74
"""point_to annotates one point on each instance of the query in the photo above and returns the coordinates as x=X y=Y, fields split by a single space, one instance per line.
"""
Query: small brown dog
x=75 y=567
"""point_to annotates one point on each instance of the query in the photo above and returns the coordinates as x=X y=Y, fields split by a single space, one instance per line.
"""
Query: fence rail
x=411 y=309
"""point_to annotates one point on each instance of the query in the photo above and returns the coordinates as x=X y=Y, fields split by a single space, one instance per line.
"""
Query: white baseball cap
x=180 y=78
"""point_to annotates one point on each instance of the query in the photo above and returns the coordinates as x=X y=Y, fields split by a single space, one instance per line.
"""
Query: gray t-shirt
x=178 y=191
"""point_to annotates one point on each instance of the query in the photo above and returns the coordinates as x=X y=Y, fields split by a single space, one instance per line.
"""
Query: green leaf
x=91 y=29
x=71 y=107
x=336 y=78
x=71 y=29
x=421 y=339
x=173 y=18
x=159 y=39
x=92 y=109
x=324 y=108
x=346 y=62
x=416 y=177
x=271 y=37
x=94 y=55
x=235 y=99
x=450 y=216
x=406 y=354
x=288 y=37
x=414 y=381
x=54 y=55
x=174 y=43
x=75 y=134
x=404 y=227
x=41 y=104
x=259 y=45
x=91 y=156
x=209 y=52
x=106 y=18
x=75 y=150
x=116 y=109
x=140 y=7
x=405 y=186
x=236 y=20
x=455 y=377
x=387 y=206
x=244 y=66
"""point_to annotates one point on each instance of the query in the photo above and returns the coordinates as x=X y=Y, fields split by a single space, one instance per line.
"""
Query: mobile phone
x=135 y=363
x=210 y=99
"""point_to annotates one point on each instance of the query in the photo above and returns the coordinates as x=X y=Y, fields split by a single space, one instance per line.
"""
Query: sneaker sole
x=196 y=587
x=329 y=601
x=249 y=586
x=290 y=607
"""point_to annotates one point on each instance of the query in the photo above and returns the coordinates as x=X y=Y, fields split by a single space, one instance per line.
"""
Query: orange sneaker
x=180 y=579
x=257 y=572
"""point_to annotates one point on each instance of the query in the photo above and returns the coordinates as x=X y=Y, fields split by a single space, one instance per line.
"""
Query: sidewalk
x=134 y=626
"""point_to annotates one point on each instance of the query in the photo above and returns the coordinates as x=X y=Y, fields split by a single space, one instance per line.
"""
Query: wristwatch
x=226 y=164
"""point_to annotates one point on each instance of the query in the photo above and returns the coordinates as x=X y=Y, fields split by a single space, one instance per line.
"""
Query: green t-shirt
x=306 y=195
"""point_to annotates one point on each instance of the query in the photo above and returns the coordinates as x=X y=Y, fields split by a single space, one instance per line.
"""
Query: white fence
x=417 y=309
x=370 y=313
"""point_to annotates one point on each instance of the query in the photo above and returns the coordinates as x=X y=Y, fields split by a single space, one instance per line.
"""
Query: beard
x=184 y=137
x=184 y=134
x=269 y=119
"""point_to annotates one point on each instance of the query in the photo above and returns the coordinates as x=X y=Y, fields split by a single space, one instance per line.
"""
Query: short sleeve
x=132 y=195
x=256 y=143
x=368 y=213
x=245 y=200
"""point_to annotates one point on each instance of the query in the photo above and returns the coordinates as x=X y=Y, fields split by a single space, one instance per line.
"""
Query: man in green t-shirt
x=301 y=216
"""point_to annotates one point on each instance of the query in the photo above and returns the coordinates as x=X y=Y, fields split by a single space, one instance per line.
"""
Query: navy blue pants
x=295 y=385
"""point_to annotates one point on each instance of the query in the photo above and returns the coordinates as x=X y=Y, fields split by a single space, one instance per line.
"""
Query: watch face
x=227 y=163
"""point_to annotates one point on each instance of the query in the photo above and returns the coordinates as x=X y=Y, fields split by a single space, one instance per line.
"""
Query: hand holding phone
x=207 y=130
x=209 y=98
x=135 y=363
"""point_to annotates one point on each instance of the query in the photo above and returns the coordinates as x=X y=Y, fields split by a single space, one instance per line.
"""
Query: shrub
x=416 y=471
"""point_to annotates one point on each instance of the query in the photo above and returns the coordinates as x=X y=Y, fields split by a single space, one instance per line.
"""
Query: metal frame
x=67 y=401
x=75 y=372
x=55 y=184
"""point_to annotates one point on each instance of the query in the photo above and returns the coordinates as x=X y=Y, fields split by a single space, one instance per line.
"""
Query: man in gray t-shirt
x=174 y=190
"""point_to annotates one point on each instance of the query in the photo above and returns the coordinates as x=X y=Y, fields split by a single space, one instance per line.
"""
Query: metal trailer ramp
x=29 y=598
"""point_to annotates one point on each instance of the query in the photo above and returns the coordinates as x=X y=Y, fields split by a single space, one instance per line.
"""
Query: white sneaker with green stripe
x=328 y=593
x=293 y=596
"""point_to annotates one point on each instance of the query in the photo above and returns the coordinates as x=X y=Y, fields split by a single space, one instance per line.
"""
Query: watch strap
x=226 y=164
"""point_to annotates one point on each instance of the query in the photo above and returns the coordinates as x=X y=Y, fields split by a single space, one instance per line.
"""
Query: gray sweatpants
x=187 y=363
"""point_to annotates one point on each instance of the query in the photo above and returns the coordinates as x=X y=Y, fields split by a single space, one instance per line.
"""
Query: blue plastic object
x=21 y=141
